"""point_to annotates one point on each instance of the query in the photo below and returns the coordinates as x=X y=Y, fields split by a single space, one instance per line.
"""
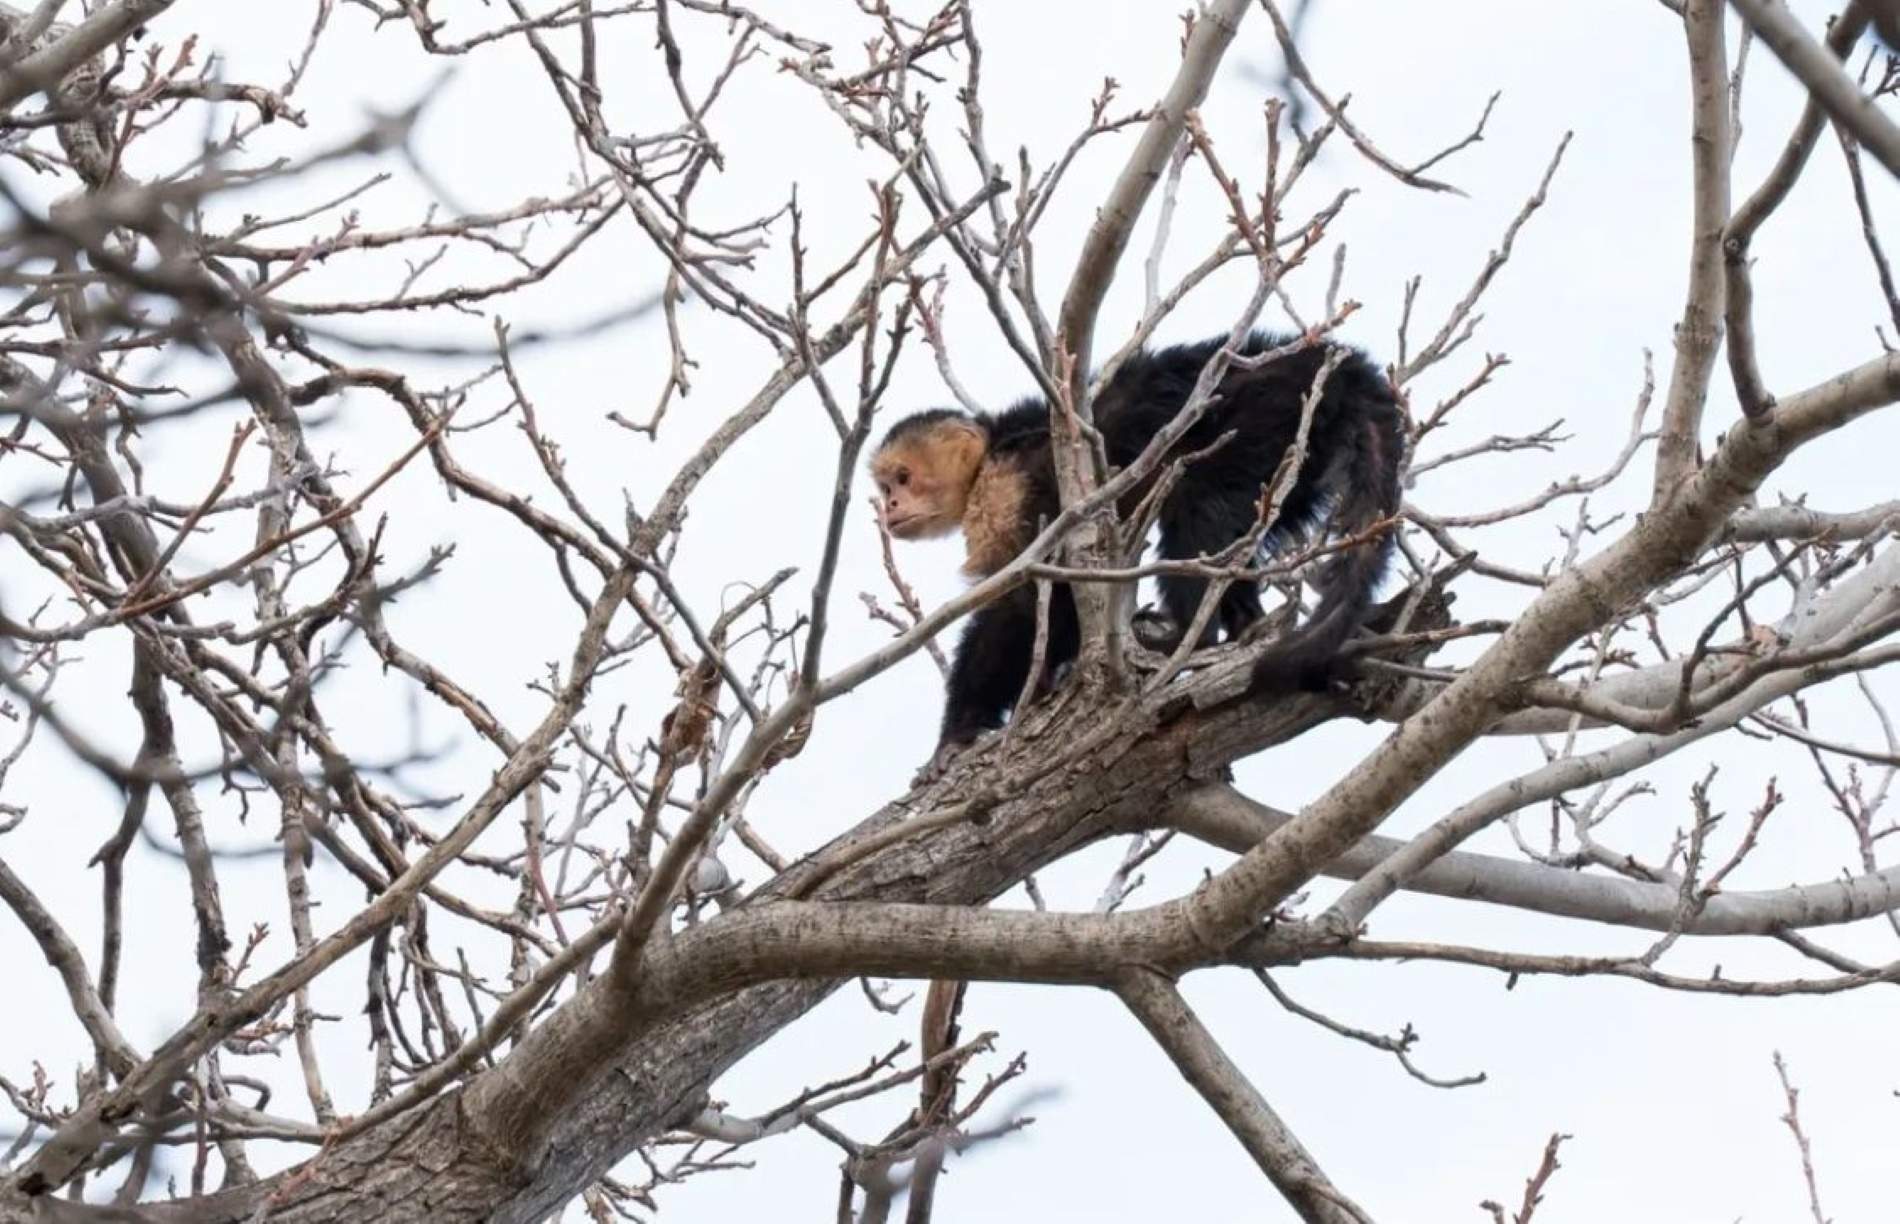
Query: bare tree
x=549 y=928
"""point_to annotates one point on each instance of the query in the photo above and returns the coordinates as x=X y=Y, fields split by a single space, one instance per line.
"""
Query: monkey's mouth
x=905 y=527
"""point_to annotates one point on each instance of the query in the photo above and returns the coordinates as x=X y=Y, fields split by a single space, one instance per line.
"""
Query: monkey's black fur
x=1349 y=480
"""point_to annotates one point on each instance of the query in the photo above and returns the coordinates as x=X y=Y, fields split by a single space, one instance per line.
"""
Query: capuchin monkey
x=993 y=478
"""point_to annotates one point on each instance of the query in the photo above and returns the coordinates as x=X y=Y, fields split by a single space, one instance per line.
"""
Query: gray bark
x=514 y=1143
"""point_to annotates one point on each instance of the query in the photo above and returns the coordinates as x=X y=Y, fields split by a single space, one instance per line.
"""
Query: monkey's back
x=1356 y=433
x=1262 y=407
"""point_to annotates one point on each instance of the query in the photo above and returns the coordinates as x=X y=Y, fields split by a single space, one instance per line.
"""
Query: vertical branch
x=1533 y=1186
x=1151 y=269
x=1700 y=330
x=1792 y=1120
x=1097 y=604
x=937 y=1090
x=1748 y=218
x=852 y=443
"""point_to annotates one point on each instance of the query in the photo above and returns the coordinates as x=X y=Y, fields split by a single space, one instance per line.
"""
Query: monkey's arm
x=991 y=664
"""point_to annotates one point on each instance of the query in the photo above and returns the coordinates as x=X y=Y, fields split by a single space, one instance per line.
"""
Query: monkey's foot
x=939 y=762
x=1156 y=630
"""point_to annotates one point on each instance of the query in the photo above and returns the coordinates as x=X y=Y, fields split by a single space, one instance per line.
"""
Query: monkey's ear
x=964 y=444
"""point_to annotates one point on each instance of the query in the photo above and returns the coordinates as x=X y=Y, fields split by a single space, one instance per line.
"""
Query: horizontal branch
x=1762 y=523
x=1221 y=816
x=1525 y=964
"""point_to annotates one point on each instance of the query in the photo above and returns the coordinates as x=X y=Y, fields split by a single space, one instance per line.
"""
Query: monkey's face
x=923 y=479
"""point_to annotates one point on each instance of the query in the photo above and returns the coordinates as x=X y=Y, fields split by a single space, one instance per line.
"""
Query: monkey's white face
x=923 y=482
x=912 y=505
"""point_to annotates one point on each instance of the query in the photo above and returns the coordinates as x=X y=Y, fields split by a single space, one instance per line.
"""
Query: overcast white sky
x=1672 y=1100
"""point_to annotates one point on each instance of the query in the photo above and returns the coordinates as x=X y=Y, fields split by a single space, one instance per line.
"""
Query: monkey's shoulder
x=999 y=518
x=1013 y=491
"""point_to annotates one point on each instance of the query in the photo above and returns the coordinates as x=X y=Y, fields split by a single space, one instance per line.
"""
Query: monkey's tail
x=1360 y=480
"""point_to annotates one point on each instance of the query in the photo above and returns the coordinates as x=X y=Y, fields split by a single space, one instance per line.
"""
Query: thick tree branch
x=1097 y=606
x=56 y=60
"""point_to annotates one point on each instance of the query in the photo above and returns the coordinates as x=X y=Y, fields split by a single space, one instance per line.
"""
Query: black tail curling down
x=1359 y=482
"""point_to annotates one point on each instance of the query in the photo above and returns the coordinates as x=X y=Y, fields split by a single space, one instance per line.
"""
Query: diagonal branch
x=64 y=956
x=53 y=62
x=1827 y=84
x=1574 y=603
x=1336 y=111
x=1201 y=1061
x=1115 y=221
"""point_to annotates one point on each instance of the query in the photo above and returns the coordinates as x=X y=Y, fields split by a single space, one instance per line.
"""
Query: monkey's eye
x=903 y=476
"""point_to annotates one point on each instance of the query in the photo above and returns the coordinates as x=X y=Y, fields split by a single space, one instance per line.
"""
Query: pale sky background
x=1672 y=1099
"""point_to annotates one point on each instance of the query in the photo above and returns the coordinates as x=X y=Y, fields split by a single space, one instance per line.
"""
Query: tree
x=564 y=910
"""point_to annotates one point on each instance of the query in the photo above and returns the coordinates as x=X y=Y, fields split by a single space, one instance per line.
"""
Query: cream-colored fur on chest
x=993 y=527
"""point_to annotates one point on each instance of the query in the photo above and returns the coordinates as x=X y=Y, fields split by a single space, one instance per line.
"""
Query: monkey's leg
x=1240 y=608
x=1180 y=597
x=991 y=664
x=1203 y=527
